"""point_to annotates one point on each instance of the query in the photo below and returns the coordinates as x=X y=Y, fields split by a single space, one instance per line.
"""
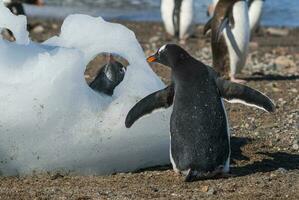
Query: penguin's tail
x=193 y=175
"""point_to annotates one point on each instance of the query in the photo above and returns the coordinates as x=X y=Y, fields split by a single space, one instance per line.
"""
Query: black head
x=115 y=72
x=169 y=55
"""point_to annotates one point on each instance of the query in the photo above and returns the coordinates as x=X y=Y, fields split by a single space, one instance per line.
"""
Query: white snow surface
x=52 y=121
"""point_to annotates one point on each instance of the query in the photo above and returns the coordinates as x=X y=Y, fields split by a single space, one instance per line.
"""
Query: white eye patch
x=162 y=48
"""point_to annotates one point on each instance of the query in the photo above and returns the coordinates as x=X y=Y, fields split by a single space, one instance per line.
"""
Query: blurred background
x=276 y=12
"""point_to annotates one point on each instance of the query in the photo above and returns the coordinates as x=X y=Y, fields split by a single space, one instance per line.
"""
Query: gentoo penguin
x=255 y=12
x=110 y=76
x=200 y=140
x=178 y=17
x=229 y=49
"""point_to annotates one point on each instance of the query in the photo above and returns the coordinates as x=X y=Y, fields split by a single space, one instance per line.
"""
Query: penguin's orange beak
x=151 y=59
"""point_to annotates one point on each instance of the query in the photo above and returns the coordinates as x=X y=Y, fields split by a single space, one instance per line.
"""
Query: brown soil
x=265 y=152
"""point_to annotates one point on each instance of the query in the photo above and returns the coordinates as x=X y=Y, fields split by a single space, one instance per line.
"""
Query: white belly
x=255 y=13
x=215 y=2
x=186 y=17
x=226 y=166
x=237 y=37
x=167 y=8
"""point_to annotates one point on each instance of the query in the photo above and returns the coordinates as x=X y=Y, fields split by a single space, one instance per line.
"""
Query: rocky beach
x=265 y=147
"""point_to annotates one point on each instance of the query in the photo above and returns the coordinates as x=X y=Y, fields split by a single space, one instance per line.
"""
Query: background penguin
x=16 y=7
x=211 y=8
x=178 y=17
x=110 y=76
x=200 y=140
x=231 y=18
x=255 y=12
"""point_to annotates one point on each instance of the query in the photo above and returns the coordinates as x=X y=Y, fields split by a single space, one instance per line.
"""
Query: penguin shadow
x=271 y=78
x=236 y=154
x=236 y=149
x=274 y=161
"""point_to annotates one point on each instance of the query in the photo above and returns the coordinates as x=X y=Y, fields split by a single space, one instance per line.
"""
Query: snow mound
x=52 y=121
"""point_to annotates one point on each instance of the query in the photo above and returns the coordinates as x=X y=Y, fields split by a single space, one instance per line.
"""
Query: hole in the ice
x=105 y=72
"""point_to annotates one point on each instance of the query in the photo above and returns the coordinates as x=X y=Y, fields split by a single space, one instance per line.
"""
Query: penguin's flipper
x=207 y=26
x=238 y=93
x=224 y=22
x=159 y=99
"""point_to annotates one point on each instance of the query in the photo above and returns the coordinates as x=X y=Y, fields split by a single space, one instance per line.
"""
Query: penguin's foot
x=193 y=175
x=236 y=80
x=183 y=41
x=168 y=37
x=226 y=175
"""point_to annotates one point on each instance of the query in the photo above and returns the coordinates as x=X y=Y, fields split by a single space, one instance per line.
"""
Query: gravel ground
x=265 y=147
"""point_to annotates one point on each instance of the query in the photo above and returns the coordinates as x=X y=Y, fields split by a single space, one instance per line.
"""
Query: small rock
x=205 y=188
x=54 y=26
x=56 y=176
x=283 y=61
x=294 y=90
x=276 y=89
x=295 y=145
x=281 y=170
x=278 y=32
x=38 y=29
x=211 y=191
x=154 y=39
x=253 y=45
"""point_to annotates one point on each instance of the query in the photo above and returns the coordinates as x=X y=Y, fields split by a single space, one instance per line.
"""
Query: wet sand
x=265 y=147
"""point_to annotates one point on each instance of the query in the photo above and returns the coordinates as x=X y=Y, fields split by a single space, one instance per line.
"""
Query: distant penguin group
x=178 y=17
x=199 y=129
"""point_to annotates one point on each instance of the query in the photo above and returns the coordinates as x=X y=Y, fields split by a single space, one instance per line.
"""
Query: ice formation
x=52 y=121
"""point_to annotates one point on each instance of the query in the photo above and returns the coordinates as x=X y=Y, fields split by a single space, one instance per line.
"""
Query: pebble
x=282 y=170
x=55 y=26
x=205 y=188
x=154 y=39
x=38 y=29
x=294 y=90
x=56 y=176
x=295 y=145
x=283 y=61
x=211 y=191
x=278 y=32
